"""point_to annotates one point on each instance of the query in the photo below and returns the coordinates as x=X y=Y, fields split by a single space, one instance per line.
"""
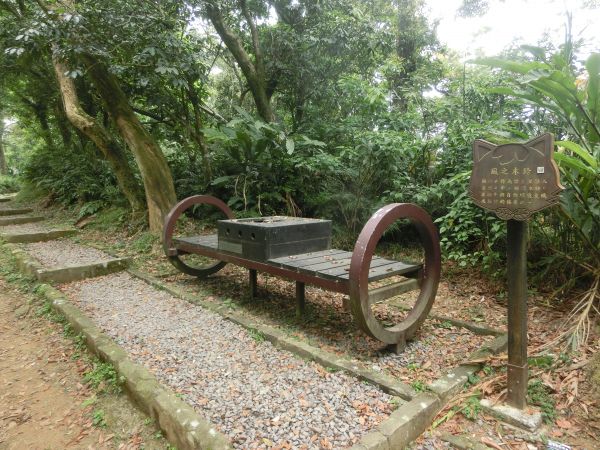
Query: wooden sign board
x=515 y=180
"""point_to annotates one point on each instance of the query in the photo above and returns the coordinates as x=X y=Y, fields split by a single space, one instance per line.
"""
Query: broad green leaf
x=579 y=151
x=538 y=52
x=222 y=180
x=289 y=145
x=212 y=134
x=573 y=163
x=593 y=88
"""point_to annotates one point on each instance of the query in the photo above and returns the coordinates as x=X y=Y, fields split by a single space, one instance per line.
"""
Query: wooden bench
x=340 y=271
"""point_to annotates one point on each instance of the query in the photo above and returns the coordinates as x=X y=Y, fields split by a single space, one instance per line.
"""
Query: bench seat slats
x=331 y=264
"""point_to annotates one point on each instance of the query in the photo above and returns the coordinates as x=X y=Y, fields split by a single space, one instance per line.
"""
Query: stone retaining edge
x=281 y=340
x=18 y=220
x=29 y=265
x=182 y=426
x=411 y=420
x=15 y=211
x=25 y=238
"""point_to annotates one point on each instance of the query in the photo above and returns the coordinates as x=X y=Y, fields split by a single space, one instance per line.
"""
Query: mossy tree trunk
x=109 y=148
x=3 y=165
x=155 y=172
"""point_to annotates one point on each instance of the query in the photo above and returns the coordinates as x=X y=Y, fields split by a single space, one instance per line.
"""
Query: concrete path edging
x=279 y=339
x=182 y=426
x=15 y=211
x=31 y=266
x=409 y=420
x=26 y=238
x=8 y=197
x=19 y=220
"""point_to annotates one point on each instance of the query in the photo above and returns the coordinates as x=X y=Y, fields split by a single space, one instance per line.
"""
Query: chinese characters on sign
x=515 y=180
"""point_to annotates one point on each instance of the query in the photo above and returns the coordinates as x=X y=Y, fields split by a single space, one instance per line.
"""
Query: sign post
x=514 y=181
x=516 y=255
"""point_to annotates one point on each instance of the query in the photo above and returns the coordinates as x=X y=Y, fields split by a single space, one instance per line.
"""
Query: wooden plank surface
x=210 y=241
x=295 y=259
x=331 y=264
x=388 y=270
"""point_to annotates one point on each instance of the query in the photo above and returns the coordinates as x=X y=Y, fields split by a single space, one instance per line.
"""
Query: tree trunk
x=3 y=166
x=156 y=175
x=110 y=149
x=62 y=123
x=197 y=132
x=41 y=113
x=253 y=72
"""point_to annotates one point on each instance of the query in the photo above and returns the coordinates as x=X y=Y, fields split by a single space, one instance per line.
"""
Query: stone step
x=15 y=211
x=76 y=273
x=18 y=220
x=38 y=236
x=7 y=197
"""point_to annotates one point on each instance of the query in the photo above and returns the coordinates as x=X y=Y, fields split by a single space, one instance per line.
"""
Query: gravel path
x=257 y=395
x=65 y=253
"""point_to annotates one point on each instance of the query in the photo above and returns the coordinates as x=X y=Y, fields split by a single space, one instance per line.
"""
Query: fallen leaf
x=490 y=443
x=564 y=423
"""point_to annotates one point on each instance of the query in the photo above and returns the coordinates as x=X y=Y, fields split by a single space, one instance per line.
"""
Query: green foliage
x=99 y=419
x=144 y=242
x=447 y=325
x=9 y=184
x=103 y=377
x=543 y=362
x=468 y=234
x=418 y=385
x=257 y=335
x=73 y=177
x=471 y=408
x=551 y=81
x=256 y=165
x=110 y=218
x=538 y=394
x=47 y=311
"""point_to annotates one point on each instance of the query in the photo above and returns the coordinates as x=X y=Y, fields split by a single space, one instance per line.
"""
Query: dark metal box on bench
x=265 y=238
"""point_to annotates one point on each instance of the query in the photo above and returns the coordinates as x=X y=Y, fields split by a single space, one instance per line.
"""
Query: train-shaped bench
x=298 y=249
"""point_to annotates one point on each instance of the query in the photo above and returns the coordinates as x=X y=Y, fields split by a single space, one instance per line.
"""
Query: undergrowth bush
x=73 y=176
x=8 y=184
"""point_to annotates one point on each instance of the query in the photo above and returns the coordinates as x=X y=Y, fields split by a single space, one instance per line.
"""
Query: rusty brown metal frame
x=169 y=228
x=361 y=261
x=357 y=286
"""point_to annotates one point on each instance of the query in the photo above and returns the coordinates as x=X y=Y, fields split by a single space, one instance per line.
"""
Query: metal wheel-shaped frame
x=361 y=262
x=169 y=228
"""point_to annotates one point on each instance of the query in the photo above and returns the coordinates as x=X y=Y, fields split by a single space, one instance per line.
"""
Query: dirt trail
x=41 y=390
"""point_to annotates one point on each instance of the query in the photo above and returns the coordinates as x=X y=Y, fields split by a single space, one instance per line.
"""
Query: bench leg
x=300 y=299
x=252 y=278
x=399 y=347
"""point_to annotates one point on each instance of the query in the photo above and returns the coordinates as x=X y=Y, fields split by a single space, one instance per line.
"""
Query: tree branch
x=152 y=115
x=258 y=56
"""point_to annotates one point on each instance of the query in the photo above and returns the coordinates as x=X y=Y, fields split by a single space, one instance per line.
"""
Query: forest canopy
x=300 y=107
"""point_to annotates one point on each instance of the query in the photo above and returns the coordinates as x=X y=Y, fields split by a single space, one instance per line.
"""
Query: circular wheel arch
x=361 y=262
x=169 y=228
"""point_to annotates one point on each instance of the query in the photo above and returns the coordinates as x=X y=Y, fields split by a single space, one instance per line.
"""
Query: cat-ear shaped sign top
x=515 y=180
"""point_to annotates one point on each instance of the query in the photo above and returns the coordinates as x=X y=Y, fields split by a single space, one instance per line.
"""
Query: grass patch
x=30 y=193
x=109 y=219
x=418 y=386
x=257 y=335
x=99 y=419
x=103 y=378
x=144 y=243
x=538 y=394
